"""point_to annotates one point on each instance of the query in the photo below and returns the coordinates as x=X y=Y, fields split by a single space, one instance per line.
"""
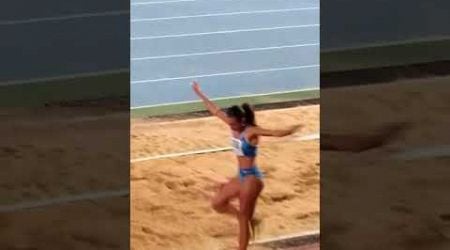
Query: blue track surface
x=233 y=48
x=53 y=38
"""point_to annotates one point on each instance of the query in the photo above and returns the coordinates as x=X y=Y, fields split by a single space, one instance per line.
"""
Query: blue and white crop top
x=242 y=147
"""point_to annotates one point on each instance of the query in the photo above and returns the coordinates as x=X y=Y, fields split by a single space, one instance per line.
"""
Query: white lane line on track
x=67 y=17
x=161 y=2
x=224 y=52
x=223 y=98
x=64 y=200
x=75 y=119
x=223 y=14
x=224 y=32
x=65 y=77
x=199 y=119
x=177 y=1
x=226 y=74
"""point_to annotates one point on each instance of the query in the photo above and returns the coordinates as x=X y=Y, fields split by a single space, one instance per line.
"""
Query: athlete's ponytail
x=236 y=112
x=249 y=115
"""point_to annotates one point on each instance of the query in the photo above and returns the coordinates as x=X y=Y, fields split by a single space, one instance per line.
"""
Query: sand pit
x=49 y=154
x=46 y=151
x=373 y=178
x=81 y=225
x=169 y=197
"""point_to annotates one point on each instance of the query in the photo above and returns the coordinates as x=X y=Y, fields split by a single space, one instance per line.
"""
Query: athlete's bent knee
x=218 y=206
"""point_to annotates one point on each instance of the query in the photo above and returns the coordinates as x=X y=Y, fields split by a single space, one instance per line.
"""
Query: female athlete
x=248 y=184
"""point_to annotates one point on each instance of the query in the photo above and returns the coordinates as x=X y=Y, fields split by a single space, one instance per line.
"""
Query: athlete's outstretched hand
x=196 y=87
x=274 y=132
x=211 y=106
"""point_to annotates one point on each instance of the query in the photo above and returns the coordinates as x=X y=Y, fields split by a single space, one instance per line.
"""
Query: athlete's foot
x=254 y=227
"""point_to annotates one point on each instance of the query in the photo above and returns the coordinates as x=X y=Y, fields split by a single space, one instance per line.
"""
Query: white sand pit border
x=291 y=240
x=309 y=137
x=418 y=153
x=64 y=200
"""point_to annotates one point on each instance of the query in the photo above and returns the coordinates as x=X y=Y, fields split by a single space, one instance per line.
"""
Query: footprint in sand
x=401 y=209
x=308 y=174
x=445 y=217
x=169 y=174
x=280 y=197
x=221 y=233
x=156 y=208
x=9 y=150
x=171 y=185
x=148 y=230
x=303 y=216
x=300 y=161
x=178 y=161
x=306 y=181
x=176 y=185
x=269 y=170
x=335 y=228
x=136 y=178
x=188 y=183
x=300 y=190
x=445 y=229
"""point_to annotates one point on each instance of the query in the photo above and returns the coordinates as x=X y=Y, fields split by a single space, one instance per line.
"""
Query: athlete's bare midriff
x=246 y=162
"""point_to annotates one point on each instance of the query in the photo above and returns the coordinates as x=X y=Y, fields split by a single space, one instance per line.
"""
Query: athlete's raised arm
x=211 y=106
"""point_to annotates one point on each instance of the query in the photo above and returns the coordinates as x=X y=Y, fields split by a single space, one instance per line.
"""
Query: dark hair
x=249 y=115
x=236 y=112
x=244 y=114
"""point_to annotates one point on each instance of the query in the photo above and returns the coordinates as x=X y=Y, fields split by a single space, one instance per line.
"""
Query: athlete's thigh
x=227 y=192
x=249 y=192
